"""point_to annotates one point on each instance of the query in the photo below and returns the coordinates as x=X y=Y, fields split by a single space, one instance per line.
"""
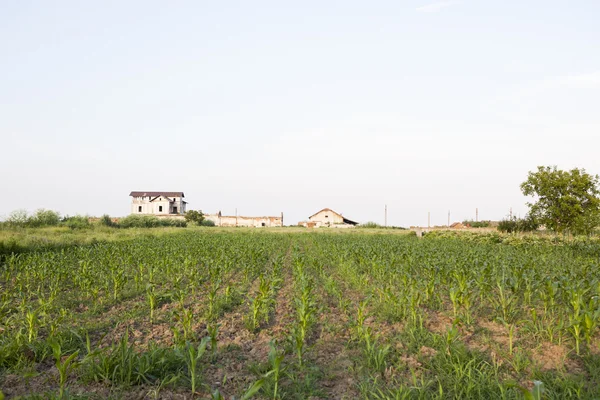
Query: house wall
x=325 y=218
x=153 y=208
x=256 y=222
x=313 y=224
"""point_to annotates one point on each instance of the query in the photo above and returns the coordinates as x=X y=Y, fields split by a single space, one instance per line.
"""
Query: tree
x=567 y=201
x=194 y=216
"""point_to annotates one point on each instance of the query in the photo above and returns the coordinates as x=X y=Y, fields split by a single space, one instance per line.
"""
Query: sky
x=271 y=106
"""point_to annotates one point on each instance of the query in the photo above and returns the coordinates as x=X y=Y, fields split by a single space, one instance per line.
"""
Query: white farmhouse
x=328 y=218
x=157 y=203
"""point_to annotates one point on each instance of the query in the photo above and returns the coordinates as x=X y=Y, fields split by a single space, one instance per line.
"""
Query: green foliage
x=477 y=224
x=514 y=225
x=40 y=218
x=370 y=225
x=194 y=216
x=106 y=220
x=77 y=222
x=150 y=221
x=43 y=218
x=17 y=218
x=375 y=225
x=191 y=355
x=207 y=222
x=566 y=201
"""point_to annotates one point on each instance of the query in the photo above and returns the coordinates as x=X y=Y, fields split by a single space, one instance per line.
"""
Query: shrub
x=177 y=223
x=370 y=225
x=150 y=221
x=40 y=218
x=139 y=221
x=43 y=218
x=17 y=218
x=477 y=224
x=207 y=222
x=514 y=224
x=375 y=225
x=77 y=222
x=194 y=216
x=106 y=220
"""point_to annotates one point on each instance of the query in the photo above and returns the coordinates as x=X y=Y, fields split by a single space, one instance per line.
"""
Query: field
x=213 y=313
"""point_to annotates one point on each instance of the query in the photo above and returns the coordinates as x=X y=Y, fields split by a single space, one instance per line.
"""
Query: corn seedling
x=64 y=365
x=191 y=355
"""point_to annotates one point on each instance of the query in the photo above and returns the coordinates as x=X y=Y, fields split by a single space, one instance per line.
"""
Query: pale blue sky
x=269 y=107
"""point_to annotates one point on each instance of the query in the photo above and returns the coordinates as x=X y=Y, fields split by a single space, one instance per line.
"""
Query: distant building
x=237 y=220
x=328 y=218
x=157 y=203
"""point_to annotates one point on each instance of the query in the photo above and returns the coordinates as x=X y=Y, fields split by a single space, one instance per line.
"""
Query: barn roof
x=326 y=209
x=155 y=194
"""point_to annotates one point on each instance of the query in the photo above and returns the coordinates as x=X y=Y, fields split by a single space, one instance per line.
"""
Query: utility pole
x=477 y=215
x=510 y=214
x=385 y=223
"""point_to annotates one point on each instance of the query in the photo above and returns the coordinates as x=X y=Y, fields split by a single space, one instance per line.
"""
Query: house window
x=174 y=210
x=140 y=209
x=263 y=224
x=159 y=208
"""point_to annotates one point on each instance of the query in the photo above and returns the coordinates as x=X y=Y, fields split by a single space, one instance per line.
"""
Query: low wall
x=255 y=222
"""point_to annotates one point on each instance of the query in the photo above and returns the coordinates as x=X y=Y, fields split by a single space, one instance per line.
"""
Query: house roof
x=326 y=209
x=156 y=194
x=161 y=197
x=346 y=220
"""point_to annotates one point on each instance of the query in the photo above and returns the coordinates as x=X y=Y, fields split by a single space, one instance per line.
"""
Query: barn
x=329 y=218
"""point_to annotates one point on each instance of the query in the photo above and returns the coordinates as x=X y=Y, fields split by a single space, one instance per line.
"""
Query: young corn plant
x=276 y=371
x=255 y=308
x=305 y=311
x=577 y=326
x=185 y=317
x=212 y=300
x=191 y=354
x=118 y=280
x=64 y=365
x=213 y=333
x=151 y=298
x=32 y=317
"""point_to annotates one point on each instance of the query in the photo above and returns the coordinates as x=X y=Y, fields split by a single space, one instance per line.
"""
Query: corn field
x=275 y=315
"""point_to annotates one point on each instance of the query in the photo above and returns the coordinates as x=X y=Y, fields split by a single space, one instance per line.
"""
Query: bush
x=176 y=223
x=106 y=220
x=150 y=221
x=40 y=218
x=375 y=225
x=477 y=224
x=43 y=218
x=207 y=222
x=514 y=224
x=17 y=218
x=77 y=222
x=370 y=225
x=194 y=216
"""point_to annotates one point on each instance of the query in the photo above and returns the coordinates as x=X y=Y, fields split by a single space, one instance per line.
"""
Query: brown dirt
x=554 y=357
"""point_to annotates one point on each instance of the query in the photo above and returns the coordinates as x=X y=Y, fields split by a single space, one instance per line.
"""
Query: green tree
x=194 y=216
x=566 y=201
